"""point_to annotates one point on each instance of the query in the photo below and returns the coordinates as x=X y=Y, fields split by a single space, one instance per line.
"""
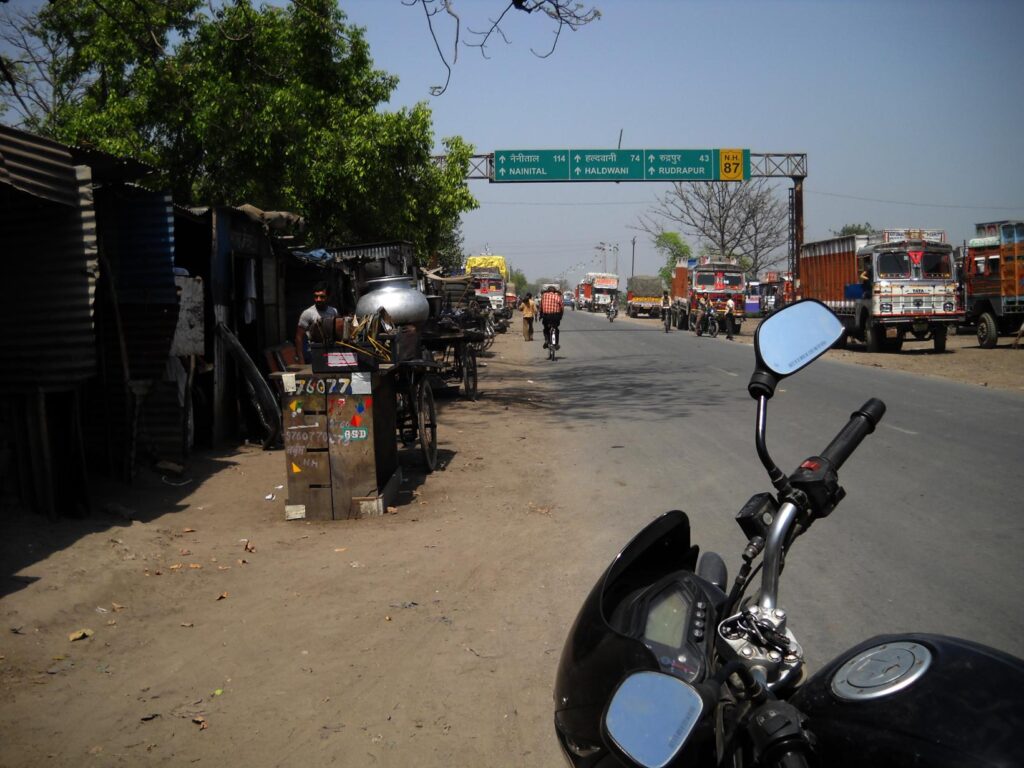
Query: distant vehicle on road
x=569 y=300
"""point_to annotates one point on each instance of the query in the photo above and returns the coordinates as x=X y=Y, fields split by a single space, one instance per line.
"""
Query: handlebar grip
x=861 y=424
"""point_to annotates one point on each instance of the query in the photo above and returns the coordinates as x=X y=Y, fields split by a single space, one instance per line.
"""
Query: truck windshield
x=893 y=265
x=936 y=264
x=733 y=281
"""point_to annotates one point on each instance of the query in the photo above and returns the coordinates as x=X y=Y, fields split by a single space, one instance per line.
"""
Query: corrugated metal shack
x=101 y=369
x=49 y=259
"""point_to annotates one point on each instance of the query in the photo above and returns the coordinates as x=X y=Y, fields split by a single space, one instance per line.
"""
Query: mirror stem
x=774 y=473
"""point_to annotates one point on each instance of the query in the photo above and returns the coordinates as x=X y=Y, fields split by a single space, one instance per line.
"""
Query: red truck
x=993 y=280
x=716 y=280
x=885 y=285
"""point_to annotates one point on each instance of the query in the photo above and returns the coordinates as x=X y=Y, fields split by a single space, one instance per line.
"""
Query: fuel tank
x=919 y=700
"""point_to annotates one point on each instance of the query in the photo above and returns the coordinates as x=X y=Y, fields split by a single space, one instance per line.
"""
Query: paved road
x=929 y=538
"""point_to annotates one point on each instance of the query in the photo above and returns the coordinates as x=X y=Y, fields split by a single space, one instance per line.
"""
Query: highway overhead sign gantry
x=533 y=165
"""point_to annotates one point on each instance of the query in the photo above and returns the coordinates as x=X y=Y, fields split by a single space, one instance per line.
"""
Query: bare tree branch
x=565 y=13
x=744 y=221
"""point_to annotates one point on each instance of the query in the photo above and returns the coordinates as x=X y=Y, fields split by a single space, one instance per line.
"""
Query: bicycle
x=666 y=317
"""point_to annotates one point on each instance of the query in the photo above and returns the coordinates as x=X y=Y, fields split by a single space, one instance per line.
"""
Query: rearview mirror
x=791 y=339
x=651 y=716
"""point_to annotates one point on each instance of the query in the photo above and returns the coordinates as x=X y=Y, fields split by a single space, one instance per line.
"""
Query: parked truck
x=490 y=275
x=582 y=296
x=718 y=281
x=601 y=289
x=993 y=280
x=885 y=285
x=643 y=296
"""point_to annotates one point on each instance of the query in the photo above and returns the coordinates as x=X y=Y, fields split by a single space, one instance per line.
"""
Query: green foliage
x=673 y=248
x=277 y=107
x=854 y=229
x=518 y=279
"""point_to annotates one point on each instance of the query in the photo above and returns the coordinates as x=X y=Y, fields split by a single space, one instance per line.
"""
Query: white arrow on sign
x=501 y=171
x=501 y=158
x=651 y=158
x=577 y=158
x=577 y=170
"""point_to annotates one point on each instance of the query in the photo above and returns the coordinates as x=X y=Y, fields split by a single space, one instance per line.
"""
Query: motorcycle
x=666 y=665
x=708 y=324
x=612 y=311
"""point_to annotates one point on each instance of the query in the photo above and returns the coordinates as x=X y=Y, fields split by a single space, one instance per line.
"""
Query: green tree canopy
x=854 y=229
x=277 y=107
x=673 y=248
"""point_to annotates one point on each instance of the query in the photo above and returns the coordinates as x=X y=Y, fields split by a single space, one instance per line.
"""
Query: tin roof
x=41 y=167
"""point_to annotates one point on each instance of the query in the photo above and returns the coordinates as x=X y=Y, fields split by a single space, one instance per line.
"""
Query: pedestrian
x=528 y=308
x=312 y=320
x=730 y=314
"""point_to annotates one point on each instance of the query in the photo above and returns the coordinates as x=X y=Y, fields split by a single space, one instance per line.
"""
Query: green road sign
x=607 y=164
x=531 y=165
x=518 y=165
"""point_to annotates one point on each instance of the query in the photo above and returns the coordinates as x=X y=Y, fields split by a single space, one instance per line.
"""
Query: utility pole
x=632 y=266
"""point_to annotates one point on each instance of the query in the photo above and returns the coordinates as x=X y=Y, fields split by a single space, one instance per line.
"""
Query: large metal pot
x=398 y=295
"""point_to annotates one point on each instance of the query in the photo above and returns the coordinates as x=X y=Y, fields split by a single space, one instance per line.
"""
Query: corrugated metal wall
x=49 y=268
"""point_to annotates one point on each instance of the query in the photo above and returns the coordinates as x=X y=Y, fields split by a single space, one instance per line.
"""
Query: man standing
x=551 y=309
x=313 y=318
x=730 y=314
x=528 y=308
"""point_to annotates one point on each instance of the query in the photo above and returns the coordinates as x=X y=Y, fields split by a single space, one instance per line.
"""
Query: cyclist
x=551 y=309
x=666 y=304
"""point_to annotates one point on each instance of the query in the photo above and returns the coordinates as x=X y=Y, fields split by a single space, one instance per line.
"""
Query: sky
x=911 y=114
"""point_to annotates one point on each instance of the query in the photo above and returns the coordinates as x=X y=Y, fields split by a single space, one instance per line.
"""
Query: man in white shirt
x=313 y=318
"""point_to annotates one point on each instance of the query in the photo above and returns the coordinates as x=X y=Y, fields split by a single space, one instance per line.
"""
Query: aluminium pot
x=398 y=295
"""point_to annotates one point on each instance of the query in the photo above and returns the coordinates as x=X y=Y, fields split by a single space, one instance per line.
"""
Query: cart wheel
x=426 y=420
x=469 y=372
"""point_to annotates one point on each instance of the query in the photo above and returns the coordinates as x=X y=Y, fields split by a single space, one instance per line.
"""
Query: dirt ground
x=213 y=632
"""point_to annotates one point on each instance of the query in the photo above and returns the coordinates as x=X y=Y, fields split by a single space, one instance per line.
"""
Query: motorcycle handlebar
x=861 y=424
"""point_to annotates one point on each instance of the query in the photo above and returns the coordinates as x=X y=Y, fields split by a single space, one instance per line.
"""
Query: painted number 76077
x=325 y=386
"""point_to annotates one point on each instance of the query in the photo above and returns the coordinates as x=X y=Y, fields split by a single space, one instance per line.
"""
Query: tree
x=564 y=13
x=518 y=279
x=278 y=107
x=741 y=221
x=674 y=249
x=854 y=229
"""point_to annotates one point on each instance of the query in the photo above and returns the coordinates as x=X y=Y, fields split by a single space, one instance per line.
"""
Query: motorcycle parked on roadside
x=667 y=665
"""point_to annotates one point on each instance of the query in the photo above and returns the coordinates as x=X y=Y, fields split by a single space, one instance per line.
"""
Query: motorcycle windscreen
x=597 y=656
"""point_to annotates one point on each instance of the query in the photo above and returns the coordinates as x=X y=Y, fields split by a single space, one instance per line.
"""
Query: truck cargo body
x=885 y=285
x=994 y=280
x=643 y=295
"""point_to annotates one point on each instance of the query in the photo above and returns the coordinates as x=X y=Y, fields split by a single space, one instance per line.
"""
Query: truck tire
x=893 y=345
x=988 y=330
x=873 y=337
x=939 y=339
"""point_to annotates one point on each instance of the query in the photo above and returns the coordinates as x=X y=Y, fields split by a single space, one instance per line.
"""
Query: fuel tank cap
x=881 y=670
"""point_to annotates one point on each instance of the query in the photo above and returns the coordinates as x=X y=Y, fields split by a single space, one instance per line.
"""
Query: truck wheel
x=873 y=335
x=939 y=338
x=893 y=345
x=988 y=331
x=922 y=335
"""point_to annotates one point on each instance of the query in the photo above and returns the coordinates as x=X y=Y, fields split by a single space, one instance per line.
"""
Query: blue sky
x=910 y=113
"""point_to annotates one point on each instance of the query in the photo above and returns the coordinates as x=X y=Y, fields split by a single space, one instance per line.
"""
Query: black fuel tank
x=917 y=700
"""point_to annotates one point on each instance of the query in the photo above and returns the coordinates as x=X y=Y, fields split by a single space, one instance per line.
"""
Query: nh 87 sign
x=533 y=165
